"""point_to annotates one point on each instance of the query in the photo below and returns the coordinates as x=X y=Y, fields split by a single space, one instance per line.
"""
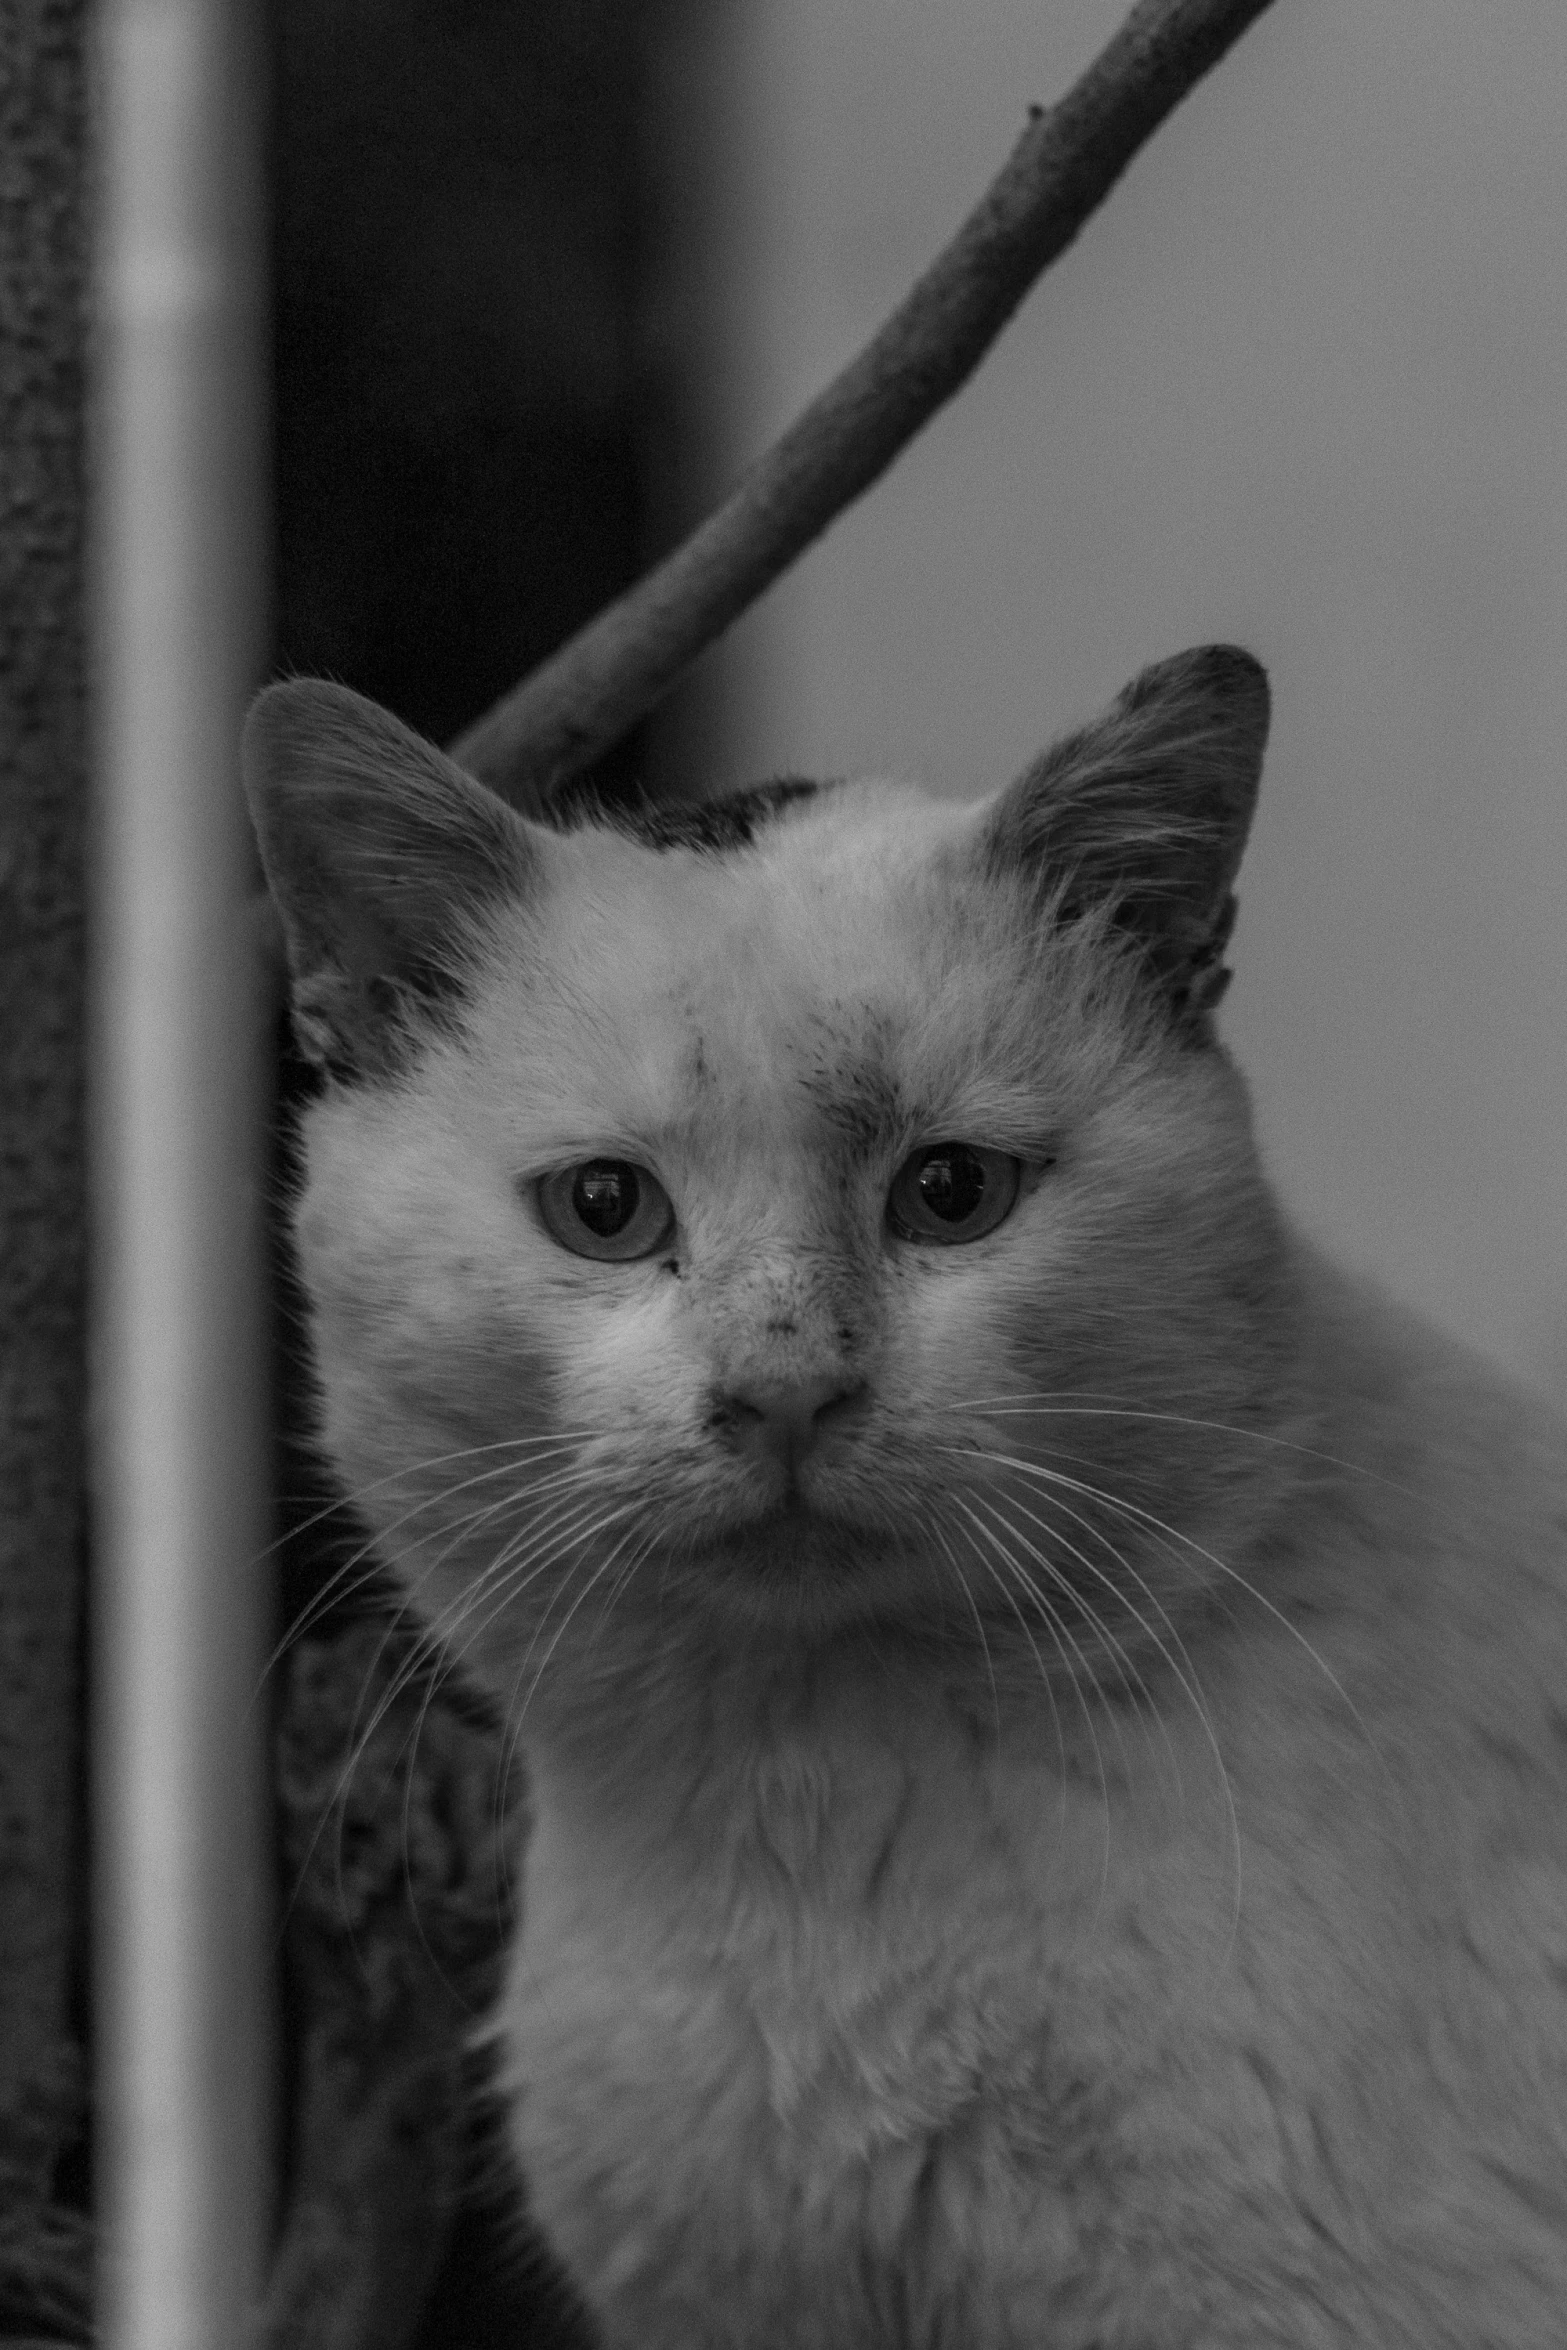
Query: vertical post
x=181 y=1939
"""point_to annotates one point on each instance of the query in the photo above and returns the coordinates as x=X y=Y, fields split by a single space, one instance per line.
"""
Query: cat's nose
x=784 y=1418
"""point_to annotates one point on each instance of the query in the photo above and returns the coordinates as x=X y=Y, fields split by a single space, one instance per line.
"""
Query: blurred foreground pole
x=181 y=1934
x=43 y=182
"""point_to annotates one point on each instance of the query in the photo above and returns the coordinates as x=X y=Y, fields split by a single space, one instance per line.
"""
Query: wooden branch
x=579 y=702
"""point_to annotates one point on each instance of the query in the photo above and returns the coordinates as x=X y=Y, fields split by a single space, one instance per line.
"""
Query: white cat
x=1045 y=1708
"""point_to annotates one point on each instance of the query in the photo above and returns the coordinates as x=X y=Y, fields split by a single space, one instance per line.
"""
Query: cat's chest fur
x=885 y=2039
x=757 y=2056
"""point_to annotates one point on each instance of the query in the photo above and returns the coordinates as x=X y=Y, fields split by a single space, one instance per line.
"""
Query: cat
x=1044 y=1705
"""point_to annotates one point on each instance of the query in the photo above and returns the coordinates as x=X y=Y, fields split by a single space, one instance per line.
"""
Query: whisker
x=425 y=1650
x=1011 y=1597
x=1062 y=1775
x=1131 y=1681
x=1137 y=1513
x=574 y=1519
x=979 y=1622
x=622 y=1510
x=351 y=1498
x=373 y=1548
x=337 y=1587
x=1062 y=1635
x=1183 y=1672
x=431 y=1653
x=1026 y=1403
x=1181 y=1664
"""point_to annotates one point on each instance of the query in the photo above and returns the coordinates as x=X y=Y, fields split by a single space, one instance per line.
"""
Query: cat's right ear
x=1144 y=815
x=382 y=856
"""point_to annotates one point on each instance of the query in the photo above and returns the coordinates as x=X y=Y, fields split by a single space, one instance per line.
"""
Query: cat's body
x=1045 y=1709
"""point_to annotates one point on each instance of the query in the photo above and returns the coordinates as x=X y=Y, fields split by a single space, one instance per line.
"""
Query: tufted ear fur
x=1146 y=813
x=380 y=853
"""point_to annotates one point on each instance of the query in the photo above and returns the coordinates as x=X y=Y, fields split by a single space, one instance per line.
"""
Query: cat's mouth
x=789 y=1524
x=792 y=1519
x=794 y=1561
x=801 y=1505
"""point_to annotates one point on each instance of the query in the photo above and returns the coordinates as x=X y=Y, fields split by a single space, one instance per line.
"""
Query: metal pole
x=180 y=1921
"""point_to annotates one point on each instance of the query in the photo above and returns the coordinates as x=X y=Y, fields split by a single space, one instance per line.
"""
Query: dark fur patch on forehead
x=711 y=825
x=854 y=1090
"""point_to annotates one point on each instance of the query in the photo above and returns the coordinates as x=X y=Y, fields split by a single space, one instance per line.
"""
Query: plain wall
x=1303 y=383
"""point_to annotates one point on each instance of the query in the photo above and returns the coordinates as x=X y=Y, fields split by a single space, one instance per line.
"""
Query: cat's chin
x=794 y=1567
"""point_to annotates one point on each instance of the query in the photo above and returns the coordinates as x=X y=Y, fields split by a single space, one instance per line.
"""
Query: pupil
x=952 y=1183
x=605 y=1197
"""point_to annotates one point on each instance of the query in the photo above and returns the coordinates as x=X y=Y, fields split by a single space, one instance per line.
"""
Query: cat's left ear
x=382 y=857
x=1146 y=813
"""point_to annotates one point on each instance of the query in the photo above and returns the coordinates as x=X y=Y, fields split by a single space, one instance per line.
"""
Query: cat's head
x=835 y=1208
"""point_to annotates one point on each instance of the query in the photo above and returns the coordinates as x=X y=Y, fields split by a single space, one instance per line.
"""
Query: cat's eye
x=951 y=1192
x=606 y=1208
